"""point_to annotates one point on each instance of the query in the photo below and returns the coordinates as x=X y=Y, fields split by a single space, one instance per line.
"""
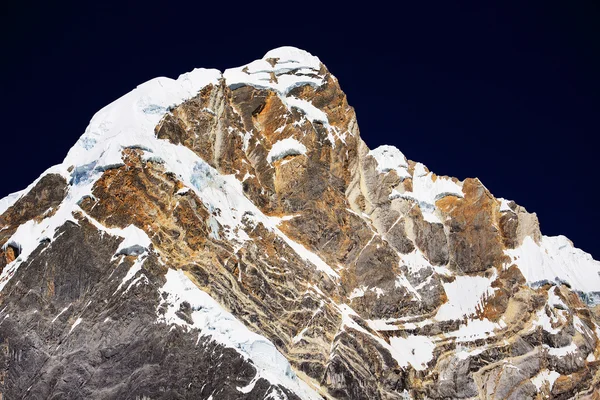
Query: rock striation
x=230 y=236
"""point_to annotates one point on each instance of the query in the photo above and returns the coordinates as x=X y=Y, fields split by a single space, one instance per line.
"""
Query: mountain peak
x=281 y=70
x=230 y=235
x=292 y=54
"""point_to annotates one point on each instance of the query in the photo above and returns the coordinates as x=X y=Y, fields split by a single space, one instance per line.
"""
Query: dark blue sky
x=510 y=94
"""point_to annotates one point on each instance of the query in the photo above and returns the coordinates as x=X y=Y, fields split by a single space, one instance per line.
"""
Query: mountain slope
x=230 y=235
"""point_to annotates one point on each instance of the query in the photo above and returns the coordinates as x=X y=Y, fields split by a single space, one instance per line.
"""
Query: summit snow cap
x=281 y=70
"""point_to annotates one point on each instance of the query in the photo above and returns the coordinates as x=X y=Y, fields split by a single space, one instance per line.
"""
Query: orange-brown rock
x=475 y=242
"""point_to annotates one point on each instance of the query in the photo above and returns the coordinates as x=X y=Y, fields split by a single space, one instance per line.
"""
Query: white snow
x=402 y=281
x=127 y=122
x=9 y=200
x=311 y=112
x=416 y=350
x=390 y=158
x=504 y=205
x=61 y=313
x=357 y=292
x=131 y=119
x=545 y=376
x=294 y=68
x=554 y=300
x=473 y=330
x=248 y=388
x=542 y=319
x=135 y=241
x=308 y=255
x=462 y=353
x=555 y=259
x=285 y=147
x=131 y=273
x=466 y=295
x=561 y=351
x=293 y=55
x=77 y=322
x=381 y=324
x=413 y=350
x=278 y=220
x=414 y=261
x=426 y=190
x=212 y=320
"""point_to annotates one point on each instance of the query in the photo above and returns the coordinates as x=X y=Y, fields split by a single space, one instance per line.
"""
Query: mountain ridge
x=368 y=255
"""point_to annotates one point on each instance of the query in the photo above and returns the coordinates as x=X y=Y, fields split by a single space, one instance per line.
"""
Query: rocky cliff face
x=230 y=235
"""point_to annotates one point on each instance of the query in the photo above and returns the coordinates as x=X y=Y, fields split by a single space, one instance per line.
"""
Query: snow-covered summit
x=281 y=69
x=290 y=54
x=130 y=120
x=390 y=158
x=243 y=209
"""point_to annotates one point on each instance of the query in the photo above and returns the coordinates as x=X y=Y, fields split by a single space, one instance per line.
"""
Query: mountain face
x=230 y=236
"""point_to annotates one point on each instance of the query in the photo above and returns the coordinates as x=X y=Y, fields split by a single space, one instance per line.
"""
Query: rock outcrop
x=230 y=235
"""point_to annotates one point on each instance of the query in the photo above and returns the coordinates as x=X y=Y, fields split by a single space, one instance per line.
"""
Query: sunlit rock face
x=230 y=236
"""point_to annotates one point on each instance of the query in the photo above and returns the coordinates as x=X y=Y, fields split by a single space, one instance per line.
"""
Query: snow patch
x=293 y=68
x=504 y=207
x=416 y=350
x=543 y=377
x=131 y=273
x=382 y=324
x=61 y=313
x=546 y=321
x=285 y=147
x=555 y=259
x=312 y=113
x=135 y=241
x=390 y=158
x=357 y=292
x=212 y=320
x=428 y=189
x=561 y=351
x=11 y=199
x=77 y=322
x=415 y=261
x=554 y=300
x=308 y=255
x=466 y=295
x=473 y=330
x=463 y=353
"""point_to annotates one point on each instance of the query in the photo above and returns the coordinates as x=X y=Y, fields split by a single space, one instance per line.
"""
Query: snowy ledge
x=285 y=147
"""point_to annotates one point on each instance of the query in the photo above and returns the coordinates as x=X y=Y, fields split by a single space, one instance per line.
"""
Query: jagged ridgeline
x=230 y=236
